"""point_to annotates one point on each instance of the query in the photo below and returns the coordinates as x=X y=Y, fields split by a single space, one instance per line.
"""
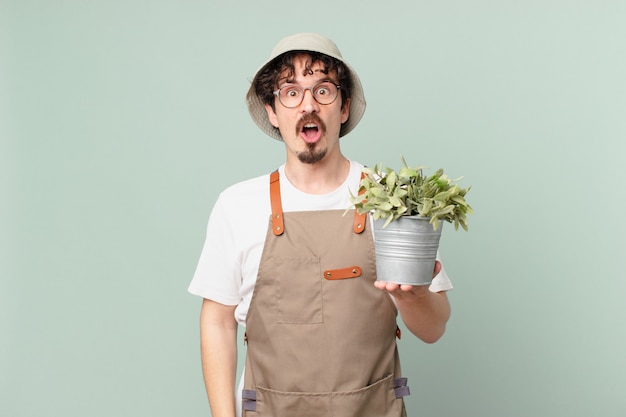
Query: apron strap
x=249 y=400
x=278 y=226
x=359 y=219
x=359 y=222
x=400 y=387
x=277 y=207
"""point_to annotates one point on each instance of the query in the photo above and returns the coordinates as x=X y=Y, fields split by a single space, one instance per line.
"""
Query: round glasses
x=291 y=95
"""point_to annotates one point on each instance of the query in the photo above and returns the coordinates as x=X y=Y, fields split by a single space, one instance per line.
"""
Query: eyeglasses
x=291 y=95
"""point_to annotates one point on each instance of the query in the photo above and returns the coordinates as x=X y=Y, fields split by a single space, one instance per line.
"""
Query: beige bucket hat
x=307 y=42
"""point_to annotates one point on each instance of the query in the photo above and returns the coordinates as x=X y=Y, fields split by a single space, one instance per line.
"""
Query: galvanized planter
x=406 y=250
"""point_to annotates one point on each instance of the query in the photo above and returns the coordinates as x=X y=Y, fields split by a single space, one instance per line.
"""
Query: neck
x=318 y=178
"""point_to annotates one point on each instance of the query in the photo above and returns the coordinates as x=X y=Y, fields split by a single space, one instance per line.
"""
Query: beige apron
x=321 y=338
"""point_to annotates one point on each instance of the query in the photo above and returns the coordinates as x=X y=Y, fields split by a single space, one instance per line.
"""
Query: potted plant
x=408 y=208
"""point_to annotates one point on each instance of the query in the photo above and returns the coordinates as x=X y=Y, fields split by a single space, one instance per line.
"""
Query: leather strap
x=359 y=219
x=359 y=222
x=277 y=207
x=278 y=226
x=343 y=273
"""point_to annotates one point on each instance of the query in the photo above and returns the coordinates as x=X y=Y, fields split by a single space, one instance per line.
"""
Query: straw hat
x=307 y=42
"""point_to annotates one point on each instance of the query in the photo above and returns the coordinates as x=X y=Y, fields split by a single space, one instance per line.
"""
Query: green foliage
x=390 y=194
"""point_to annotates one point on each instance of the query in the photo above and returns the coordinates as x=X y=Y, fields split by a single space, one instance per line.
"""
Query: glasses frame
x=304 y=90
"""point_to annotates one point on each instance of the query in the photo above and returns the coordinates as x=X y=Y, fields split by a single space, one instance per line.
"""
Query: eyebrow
x=321 y=80
x=288 y=79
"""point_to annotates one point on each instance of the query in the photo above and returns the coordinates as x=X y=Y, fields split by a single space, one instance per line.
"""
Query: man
x=283 y=259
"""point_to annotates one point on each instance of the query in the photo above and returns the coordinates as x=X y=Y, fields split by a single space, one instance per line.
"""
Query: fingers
x=387 y=286
x=393 y=287
x=437 y=268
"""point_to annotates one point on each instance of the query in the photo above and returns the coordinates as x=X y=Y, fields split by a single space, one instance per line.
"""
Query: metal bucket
x=406 y=250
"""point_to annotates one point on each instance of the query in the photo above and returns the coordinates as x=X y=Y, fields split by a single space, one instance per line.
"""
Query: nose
x=309 y=104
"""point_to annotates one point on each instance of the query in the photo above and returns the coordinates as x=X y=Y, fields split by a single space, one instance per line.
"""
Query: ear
x=271 y=115
x=345 y=111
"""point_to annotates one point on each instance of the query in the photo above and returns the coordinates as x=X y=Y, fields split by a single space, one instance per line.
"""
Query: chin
x=312 y=156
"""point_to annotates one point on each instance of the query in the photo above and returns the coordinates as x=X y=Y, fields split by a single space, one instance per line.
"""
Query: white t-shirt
x=229 y=262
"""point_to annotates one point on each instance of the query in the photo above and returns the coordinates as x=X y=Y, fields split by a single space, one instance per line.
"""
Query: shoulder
x=250 y=185
x=242 y=196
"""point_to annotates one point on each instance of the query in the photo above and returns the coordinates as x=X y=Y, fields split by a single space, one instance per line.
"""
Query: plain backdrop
x=121 y=121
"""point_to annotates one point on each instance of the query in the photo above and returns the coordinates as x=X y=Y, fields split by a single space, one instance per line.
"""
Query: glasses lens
x=292 y=95
x=325 y=93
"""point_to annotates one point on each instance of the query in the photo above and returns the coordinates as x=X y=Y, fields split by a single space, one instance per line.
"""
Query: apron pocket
x=376 y=400
x=299 y=290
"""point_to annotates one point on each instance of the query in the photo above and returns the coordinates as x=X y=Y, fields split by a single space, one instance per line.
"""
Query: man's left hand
x=406 y=291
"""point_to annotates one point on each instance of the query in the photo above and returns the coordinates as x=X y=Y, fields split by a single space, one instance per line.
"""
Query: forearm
x=425 y=313
x=218 y=336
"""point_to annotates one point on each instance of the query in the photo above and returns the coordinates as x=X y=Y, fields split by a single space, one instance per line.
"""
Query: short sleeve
x=441 y=282
x=218 y=273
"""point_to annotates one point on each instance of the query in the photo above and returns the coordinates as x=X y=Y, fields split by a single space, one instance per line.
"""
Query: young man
x=283 y=260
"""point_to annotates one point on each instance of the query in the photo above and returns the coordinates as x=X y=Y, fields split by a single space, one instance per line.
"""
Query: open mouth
x=311 y=129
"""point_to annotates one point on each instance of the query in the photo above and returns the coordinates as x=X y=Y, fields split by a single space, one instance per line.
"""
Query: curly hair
x=266 y=80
